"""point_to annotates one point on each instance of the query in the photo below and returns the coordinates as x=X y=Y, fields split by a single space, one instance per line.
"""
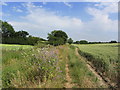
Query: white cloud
x=100 y=0
x=17 y=9
x=40 y=21
x=101 y=18
x=67 y=4
x=109 y=7
x=3 y=3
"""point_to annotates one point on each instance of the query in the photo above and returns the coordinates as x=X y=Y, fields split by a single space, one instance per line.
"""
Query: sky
x=92 y=21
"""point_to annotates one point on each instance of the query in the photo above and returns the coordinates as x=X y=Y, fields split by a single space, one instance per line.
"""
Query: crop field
x=14 y=47
x=60 y=45
x=104 y=58
x=105 y=51
x=58 y=67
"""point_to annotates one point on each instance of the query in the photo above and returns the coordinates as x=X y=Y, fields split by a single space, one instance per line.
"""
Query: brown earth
x=68 y=83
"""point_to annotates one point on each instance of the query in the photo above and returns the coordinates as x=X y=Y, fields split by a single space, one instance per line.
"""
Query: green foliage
x=113 y=42
x=83 y=42
x=70 y=41
x=79 y=72
x=77 y=42
x=7 y=30
x=27 y=66
x=9 y=36
x=22 y=34
x=32 y=40
x=104 y=57
x=57 y=38
x=42 y=44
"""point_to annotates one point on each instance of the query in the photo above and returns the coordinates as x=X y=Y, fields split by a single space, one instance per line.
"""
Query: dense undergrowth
x=33 y=68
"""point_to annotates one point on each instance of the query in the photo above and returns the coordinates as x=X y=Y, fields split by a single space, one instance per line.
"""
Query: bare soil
x=68 y=78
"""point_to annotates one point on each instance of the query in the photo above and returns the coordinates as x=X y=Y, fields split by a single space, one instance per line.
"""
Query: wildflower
x=60 y=71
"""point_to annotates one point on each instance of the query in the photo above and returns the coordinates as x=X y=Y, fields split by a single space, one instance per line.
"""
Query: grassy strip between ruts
x=81 y=76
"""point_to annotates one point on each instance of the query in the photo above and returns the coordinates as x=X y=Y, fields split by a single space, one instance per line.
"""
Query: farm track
x=102 y=80
x=68 y=84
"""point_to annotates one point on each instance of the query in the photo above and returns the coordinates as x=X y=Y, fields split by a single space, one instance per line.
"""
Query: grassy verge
x=80 y=73
x=59 y=79
x=32 y=68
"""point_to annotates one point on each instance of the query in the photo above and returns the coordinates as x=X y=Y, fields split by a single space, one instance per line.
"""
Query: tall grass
x=35 y=67
x=43 y=66
x=80 y=73
x=104 y=57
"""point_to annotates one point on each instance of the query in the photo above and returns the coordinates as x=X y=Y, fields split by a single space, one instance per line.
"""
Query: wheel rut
x=102 y=81
x=68 y=83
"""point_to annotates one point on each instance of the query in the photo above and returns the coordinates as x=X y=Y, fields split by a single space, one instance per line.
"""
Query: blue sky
x=80 y=20
x=76 y=9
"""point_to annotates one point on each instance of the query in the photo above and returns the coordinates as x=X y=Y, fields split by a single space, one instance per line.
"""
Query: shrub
x=70 y=41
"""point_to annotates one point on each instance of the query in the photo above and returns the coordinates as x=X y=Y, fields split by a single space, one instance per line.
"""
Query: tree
x=33 y=40
x=77 y=42
x=7 y=30
x=83 y=42
x=9 y=36
x=22 y=34
x=70 y=41
x=113 y=42
x=57 y=37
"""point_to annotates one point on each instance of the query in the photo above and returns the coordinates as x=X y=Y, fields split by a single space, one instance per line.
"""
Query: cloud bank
x=40 y=21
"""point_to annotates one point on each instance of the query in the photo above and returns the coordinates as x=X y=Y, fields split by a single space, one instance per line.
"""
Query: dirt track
x=68 y=78
x=102 y=81
x=92 y=69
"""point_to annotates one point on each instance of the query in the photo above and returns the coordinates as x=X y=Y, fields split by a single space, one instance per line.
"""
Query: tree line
x=86 y=42
x=56 y=37
x=10 y=36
